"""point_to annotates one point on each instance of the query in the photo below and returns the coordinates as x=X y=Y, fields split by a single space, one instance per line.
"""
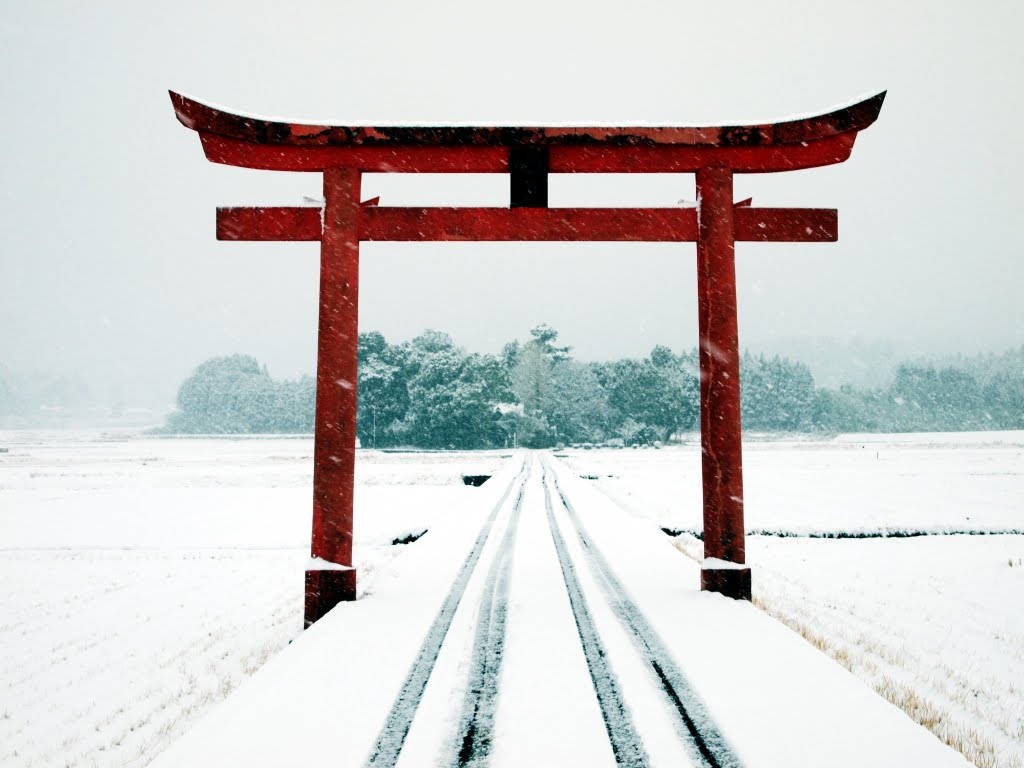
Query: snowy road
x=548 y=654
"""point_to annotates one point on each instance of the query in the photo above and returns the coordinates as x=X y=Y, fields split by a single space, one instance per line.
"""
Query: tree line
x=41 y=399
x=430 y=393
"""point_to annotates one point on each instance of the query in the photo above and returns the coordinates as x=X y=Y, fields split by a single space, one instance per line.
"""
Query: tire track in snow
x=472 y=742
x=391 y=738
x=699 y=733
x=626 y=743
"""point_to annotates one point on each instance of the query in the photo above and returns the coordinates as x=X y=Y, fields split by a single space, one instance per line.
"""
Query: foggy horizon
x=109 y=266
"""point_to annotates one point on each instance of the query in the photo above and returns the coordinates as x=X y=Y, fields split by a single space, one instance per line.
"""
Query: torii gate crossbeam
x=342 y=153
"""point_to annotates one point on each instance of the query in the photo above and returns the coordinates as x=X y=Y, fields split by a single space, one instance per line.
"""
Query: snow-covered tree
x=382 y=392
x=451 y=395
x=225 y=395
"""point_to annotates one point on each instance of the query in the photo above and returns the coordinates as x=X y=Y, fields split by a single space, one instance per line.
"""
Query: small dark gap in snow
x=475 y=480
x=900 y=534
x=411 y=449
x=409 y=538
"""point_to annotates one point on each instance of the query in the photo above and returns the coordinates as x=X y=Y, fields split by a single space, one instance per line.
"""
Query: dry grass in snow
x=107 y=664
x=926 y=622
x=142 y=580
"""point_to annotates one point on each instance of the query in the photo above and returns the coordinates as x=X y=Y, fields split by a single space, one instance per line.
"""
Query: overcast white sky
x=109 y=266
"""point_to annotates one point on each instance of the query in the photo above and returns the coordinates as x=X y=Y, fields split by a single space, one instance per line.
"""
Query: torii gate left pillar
x=528 y=155
x=332 y=577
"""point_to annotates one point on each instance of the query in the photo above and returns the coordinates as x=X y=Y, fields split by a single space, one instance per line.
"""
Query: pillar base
x=325 y=588
x=732 y=582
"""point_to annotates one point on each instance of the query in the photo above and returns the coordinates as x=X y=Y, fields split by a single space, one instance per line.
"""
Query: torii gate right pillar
x=724 y=568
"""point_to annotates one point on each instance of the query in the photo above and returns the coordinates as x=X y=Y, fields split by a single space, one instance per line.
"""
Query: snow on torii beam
x=528 y=155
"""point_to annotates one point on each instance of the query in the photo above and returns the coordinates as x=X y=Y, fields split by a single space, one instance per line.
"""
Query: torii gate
x=528 y=155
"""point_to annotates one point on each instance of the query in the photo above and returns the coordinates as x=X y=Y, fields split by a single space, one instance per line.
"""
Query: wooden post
x=334 y=451
x=721 y=448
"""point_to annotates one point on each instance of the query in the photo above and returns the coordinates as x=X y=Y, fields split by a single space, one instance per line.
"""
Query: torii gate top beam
x=253 y=142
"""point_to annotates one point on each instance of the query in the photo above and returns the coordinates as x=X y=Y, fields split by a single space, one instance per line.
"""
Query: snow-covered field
x=940 y=482
x=934 y=623
x=143 y=579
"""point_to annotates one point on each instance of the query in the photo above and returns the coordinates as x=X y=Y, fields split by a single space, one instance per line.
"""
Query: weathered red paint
x=587 y=224
x=791 y=225
x=657 y=158
x=276 y=223
x=257 y=143
x=334 y=451
x=227 y=151
x=342 y=153
x=684 y=159
x=205 y=119
x=721 y=451
x=325 y=588
x=524 y=224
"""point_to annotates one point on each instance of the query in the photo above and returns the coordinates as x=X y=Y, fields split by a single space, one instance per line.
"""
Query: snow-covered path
x=515 y=663
x=550 y=629
x=543 y=653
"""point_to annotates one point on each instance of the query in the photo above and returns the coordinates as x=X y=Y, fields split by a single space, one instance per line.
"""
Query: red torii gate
x=528 y=155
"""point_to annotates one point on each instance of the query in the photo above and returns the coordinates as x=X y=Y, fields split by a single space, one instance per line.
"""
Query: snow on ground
x=930 y=622
x=855 y=483
x=142 y=579
x=934 y=624
x=109 y=654
x=657 y=646
x=776 y=700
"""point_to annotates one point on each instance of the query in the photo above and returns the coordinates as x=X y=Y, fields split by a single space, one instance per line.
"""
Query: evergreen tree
x=531 y=378
x=225 y=395
x=658 y=393
x=544 y=337
x=577 y=407
x=450 y=395
x=382 y=394
x=777 y=394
